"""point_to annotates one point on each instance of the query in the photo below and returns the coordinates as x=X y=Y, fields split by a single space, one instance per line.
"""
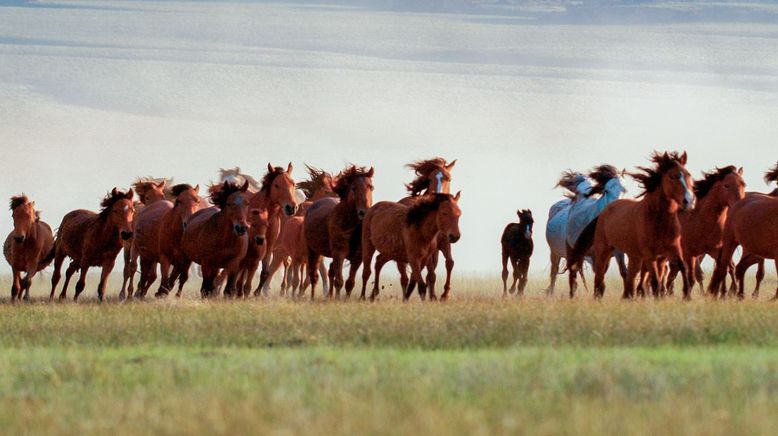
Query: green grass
x=479 y=364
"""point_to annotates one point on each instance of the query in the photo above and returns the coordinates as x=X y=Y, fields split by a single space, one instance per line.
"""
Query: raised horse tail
x=577 y=253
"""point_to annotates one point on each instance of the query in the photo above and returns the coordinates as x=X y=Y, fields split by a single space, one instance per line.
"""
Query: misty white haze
x=94 y=94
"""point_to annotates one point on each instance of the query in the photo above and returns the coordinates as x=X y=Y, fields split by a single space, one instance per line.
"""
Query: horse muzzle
x=126 y=235
x=290 y=209
x=453 y=238
x=240 y=230
x=19 y=239
x=361 y=214
x=259 y=240
x=527 y=235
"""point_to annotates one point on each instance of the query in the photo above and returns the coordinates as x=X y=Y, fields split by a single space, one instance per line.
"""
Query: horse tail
x=577 y=253
x=50 y=255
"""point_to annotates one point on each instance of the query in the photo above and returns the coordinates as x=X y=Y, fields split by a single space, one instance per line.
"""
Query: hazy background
x=93 y=94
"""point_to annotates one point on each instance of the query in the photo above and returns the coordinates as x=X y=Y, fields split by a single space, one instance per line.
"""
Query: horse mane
x=315 y=181
x=235 y=173
x=346 y=178
x=143 y=184
x=771 y=175
x=601 y=176
x=110 y=199
x=703 y=186
x=220 y=193
x=568 y=180
x=176 y=190
x=267 y=180
x=423 y=169
x=425 y=206
x=650 y=179
x=18 y=200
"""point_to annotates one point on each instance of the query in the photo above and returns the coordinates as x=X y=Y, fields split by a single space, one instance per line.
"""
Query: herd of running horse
x=240 y=223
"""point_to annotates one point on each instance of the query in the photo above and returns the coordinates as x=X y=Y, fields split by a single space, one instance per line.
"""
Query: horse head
x=258 y=220
x=24 y=217
x=433 y=176
x=448 y=217
x=119 y=210
x=354 y=186
x=280 y=188
x=526 y=222
x=187 y=201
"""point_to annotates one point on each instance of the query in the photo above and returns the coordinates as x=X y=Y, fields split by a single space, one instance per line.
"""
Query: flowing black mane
x=221 y=192
x=601 y=176
x=425 y=206
x=703 y=186
x=18 y=200
x=650 y=179
x=423 y=169
x=317 y=179
x=112 y=198
x=177 y=190
x=771 y=175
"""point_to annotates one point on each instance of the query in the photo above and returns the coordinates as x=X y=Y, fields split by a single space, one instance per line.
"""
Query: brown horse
x=29 y=248
x=702 y=229
x=753 y=224
x=277 y=197
x=93 y=239
x=408 y=235
x=771 y=176
x=332 y=228
x=433 y=176
x=646 y=230
x=291 y=250
x=216 y=238
x=186 y=201
x=149 y=191
x=258 y=225
x=517 y=247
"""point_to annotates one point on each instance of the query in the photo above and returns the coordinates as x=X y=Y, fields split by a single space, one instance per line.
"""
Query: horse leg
x=524 y=270
x=326 y=285
x=776 y=269
x=504 y=273
x=554 y=272
x=274 y=265
x=446 y=249
x=572 y=273
x=432 y=276
x=314 y=260
x=380 y=261
x=601 y=262
x=27 y=283
x=516 y=273
x=81 y=283
x=145 y=267
x=16 y=284
x=183 y=276
x=671 y=275
x=759 y=277
x=72 y=268
x=740 y=272
x=368 y=250
x=58 y=259
x=634 y=267
x=416 y=279
x=353 y=268
x=104 y=274
x=164 y=273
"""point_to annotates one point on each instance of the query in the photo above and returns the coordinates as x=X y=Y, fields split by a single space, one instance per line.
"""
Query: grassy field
x=476 y=365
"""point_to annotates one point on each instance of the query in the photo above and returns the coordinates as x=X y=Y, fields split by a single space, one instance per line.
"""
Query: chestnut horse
x=332 y=228
x=517 y=246
x=186 y=201
x=702 y=229
x=408 y=235
x=277 y=196
x=753 y=224
x=149 y=191
x=433 y=176
x=291 y=249
x=29 y=247
x=93 y=239
x=747 y=260
x=258 y=225
x=216 y=238
x=646 y=230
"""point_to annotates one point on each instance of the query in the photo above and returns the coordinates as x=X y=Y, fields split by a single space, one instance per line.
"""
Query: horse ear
x=269 y=167
x=623 y=172
x=456 y=197
x=518 y=213
x=197 y=189
x=740 y=171
x=129 y=194
x=32 y=204
x=684 y=157
x=245 y=186
x=371 y=172
x=161 y=185
x=451 y=165
x=114 y=191
x=289 y=168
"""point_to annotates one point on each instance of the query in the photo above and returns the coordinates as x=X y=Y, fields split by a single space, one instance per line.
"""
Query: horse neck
x=106 y=228
x=427 y=229
x=661 y=210
x=710 y=209
x=348 y=210
x=262 y=200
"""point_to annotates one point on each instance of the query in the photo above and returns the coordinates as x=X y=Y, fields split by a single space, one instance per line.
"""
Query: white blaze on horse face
x=688 y=196
x=439 y=176
x=527 y=233
x=239 y=200
x=126 y=208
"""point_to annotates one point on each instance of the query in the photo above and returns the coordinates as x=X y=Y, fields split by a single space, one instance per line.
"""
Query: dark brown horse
x=216 y=238
x=186 y=201
x=433 y=176
x=29 y=247
x=646 y=230
x=517 y=247
x=277 y=197
x=702 y=229
x=408 y=235
x=93 y=239
x=332 y=228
